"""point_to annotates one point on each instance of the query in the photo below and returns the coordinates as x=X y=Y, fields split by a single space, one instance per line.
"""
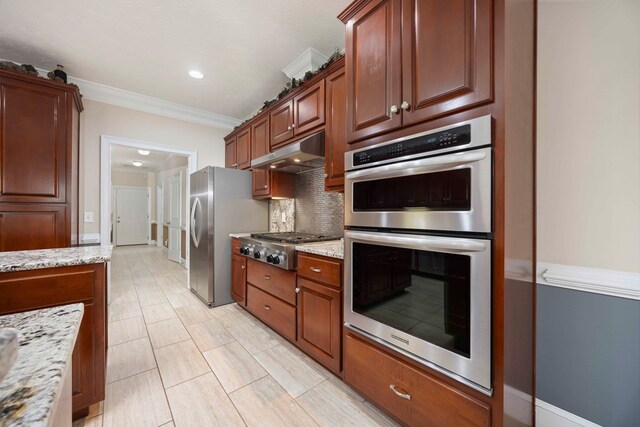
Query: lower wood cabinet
x=410 y=395
x=239 y=279
x=49 y=287
x=320 y=323
x=274 y=312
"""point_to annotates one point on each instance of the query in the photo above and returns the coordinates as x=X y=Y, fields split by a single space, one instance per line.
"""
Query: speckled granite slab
x=29 y=392
x=332 y=248
x=238 y=235
x=59 y=257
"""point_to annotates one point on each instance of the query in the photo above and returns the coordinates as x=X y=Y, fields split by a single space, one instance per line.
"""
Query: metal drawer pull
x=297 y=290
x=267 y=277
x=399 y=393
x=242 y=267
x=315 y=270
x=266 y=307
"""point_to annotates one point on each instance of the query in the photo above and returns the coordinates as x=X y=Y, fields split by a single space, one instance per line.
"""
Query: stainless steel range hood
x=300 y=156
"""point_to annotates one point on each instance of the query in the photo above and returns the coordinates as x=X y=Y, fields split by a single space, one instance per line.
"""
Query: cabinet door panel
x=281 y=120
x=319 y=323
x=446 y=57
x=260 y=138
x=33 y=226
x=336 y=131
x=373 y=43
x=243 y=149
x=261 y=181
x=239 y=279
x=230 y=154
x=309 y=108
x=33 y=143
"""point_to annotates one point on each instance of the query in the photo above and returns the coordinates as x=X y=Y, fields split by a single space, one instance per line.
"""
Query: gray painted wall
x=588 y=355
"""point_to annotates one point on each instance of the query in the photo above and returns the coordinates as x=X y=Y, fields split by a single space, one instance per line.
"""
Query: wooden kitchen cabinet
x=39 y=143
x=304 y=112
x=410 y=395
x=267 y=184
x=410 y=61
x=260 y=137
x=335 y=131
x=239 y=279
x=319 y=290
x=35 y=289
x=237 y=153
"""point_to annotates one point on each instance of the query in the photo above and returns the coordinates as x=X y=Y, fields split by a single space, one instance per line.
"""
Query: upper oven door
x=450 y=192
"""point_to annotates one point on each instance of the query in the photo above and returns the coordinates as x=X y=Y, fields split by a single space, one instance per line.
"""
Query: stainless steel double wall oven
x=418 y=246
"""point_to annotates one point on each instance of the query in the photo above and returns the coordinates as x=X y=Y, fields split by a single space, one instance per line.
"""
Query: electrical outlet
x=88 y=216
x=284 y=217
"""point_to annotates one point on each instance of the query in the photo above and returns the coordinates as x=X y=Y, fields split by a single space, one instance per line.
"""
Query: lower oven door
x=428 y=297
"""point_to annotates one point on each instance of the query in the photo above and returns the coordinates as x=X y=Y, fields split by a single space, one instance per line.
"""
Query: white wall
x=588 y=148
x=104 y=119
x=128 y=179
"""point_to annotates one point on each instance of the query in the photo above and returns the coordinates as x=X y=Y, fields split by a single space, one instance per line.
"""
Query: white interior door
x=175 y=188
x=132 y=216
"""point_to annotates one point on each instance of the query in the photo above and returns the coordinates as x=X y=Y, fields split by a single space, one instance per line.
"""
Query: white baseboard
x=548 y=415
x=89 y=238
x=152 y=242
x=605 y=282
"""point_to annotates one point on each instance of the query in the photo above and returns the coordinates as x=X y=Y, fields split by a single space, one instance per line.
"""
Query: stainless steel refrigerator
x=221 y=203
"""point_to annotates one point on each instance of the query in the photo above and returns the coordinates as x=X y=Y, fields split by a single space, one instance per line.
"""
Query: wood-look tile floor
x=174 y=361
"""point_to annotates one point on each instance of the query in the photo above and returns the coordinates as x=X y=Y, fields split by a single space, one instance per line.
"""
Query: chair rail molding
x=614 y=283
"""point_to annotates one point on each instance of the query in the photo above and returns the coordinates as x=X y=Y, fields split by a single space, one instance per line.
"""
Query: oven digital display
x=435 y=141
x=424 y=294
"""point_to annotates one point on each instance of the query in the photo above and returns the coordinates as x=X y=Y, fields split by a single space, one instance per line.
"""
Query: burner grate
x=294 y=237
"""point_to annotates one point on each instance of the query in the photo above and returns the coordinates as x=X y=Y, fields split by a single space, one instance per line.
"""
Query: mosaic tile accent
x=317 y=211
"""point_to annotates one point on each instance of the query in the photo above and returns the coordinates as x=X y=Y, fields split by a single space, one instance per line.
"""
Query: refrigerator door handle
x=194 y=208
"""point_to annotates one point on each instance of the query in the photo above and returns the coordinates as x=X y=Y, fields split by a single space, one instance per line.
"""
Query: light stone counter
x=36 y=391
x=58 y=257
x=332 y=248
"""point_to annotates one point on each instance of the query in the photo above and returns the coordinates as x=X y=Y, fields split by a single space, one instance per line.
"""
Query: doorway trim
x=106 y=142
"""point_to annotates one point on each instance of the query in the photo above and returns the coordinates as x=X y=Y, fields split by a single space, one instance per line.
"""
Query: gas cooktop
x=278 y=248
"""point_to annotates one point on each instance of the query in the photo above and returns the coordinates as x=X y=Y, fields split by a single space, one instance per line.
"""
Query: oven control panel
x=454 y=137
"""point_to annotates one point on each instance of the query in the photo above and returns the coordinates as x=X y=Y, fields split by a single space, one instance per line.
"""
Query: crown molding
x=619 y=284
x=309 y=60
x=148 y=104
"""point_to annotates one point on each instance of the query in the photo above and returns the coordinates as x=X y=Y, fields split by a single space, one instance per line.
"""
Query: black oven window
x=425 y=294
x=445 y=191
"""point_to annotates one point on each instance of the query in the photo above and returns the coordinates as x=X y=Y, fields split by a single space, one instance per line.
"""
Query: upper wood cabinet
x=260 y=137
x=238 y=150
x=39 y=162
x=410 y=61
x=302 y=113
x=267 y=184
x=335 y=131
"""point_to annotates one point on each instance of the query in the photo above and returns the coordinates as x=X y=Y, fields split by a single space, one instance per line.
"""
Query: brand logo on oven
x=402 y=340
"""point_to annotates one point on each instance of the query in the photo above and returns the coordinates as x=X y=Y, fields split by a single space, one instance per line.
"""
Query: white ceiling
x=147 y=46
x=121 y=158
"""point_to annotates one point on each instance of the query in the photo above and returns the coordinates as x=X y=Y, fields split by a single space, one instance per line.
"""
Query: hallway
x=173 y=361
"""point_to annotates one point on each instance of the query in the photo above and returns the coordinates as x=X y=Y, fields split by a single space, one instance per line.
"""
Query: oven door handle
x=411 y=167
x=427 y=243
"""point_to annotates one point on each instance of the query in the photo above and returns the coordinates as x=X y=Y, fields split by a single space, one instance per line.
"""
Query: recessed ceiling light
x=272 y=166
x=296 y=160
x=136 y=163
x=196 y=74
x=144 y=152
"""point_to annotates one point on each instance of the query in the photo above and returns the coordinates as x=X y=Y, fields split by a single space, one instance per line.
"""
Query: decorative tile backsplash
x=313 y=210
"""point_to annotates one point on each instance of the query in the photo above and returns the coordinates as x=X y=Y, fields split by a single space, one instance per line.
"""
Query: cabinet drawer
x=320 y=269
x=427 y=400
x=276 y=281
x=275 y=313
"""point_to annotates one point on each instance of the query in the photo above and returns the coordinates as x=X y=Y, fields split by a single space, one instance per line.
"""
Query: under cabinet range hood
x=300 y=156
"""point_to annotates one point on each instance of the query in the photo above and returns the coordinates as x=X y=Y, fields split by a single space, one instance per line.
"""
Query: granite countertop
x=30 y=391
x=331 y=248
x=58 y=257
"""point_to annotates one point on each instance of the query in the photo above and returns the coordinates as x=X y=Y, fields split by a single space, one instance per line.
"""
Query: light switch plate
x=284 y=217
x=88 y=216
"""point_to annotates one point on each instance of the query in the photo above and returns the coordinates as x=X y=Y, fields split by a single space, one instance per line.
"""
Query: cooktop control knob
x=244 y=250
x=257 y=255
x=270 y=258
x=277 y=259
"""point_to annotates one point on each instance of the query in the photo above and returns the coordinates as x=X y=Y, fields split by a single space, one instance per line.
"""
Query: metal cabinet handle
x=405 y=105
x=394 y=109
x=289 y=128
x=266 y=276
x=315 y=270
x=297 y=290
x=399 y=393
x=265 y=186
x=242 y=267
x=266 y=307
x=293 y=125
